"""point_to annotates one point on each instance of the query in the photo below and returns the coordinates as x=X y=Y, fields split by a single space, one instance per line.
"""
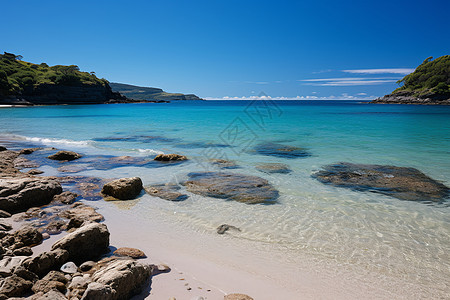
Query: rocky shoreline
x=405 y=97
x=80 y=264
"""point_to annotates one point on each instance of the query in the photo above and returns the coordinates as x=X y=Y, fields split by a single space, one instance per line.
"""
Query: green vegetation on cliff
x=431 y=78
x=19 y=77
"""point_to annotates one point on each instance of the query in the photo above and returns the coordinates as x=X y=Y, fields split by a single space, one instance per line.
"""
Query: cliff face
x=149 y=93
x=47 y=94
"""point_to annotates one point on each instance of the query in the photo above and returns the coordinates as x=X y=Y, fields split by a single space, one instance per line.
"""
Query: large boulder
x=15 y=286
x=86 y=243
x=46 y=261
x=230 y=186
x=124 y=188
x=65 y=155
x=121 y=278
x=399 y=182
x=17 y=194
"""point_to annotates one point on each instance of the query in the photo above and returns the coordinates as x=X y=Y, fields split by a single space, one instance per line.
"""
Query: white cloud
x=343 y=96
x=349 y=81
x=402 y=71
x=361 y=94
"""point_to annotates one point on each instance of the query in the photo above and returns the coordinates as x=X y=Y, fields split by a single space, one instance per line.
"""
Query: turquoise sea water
x=376 y=232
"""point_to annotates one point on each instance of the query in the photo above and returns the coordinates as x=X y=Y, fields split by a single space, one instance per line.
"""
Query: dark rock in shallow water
x=65 y=155
x=170 y=157
x=124 y=188
x=230 y=186
x=273 y=168
x=279 y=150
x=224 y=164
x=2 y=148
x=65 y=198
x=88 y=187
x=225 y=227
x=166 y=191
x=27 y=151
x=35 y=172
x=399 y=182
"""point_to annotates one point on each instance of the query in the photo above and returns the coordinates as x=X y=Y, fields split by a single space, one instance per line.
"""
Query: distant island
x=25 y=83
x=428 y=84
x=149 y=93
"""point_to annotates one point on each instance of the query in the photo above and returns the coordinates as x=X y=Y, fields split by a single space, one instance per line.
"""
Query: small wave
x=149 y=151
x=56 y=141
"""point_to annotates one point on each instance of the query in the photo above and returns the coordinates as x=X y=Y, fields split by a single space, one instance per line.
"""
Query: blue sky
x=322 y=49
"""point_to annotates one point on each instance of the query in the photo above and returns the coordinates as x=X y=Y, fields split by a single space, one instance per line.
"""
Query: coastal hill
x=428 y=84
x=28 y=83
x=148 y=93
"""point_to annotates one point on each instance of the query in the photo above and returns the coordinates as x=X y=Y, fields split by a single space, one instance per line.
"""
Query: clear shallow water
x=378 y=233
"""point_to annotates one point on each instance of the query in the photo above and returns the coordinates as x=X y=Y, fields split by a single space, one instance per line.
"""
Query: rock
x=25 y=274
x=87 y=265
x=47 y=261
x=45 y=236
x=15 y=286
x=170 y=157
x=224 y=227
x=28 y=235
x=166 y=192
x=273 y=168
x=130 y=252
x=65 y=198
x=2 y=148
x=86 y=243
x=24 y=251
x=278 y=150
x=7 y=168
x=87 y=187
x=80 y=214
x=4 y=214
x=8 y=264
x=5 y=226
x=237 y=297
x=73 y=168
x=161 y=268
x=24 y=163
x=54 y=280
x=124 y=188
x=27 y=151
x=230 y=186
x=399 y=182
x=19 y=194
x=78 y=286
x=124 y=277
x=55 y=226
x=52 y=295
x=35 y=172
x=224 y=164
x=69 y=268
x=97 y=291
x=65 y=155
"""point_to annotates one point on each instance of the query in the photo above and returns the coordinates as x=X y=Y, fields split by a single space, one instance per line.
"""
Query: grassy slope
x=18 y=77
x=432 y=77
x=148 y=93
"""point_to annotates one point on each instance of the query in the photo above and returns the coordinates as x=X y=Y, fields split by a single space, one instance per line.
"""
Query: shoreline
x=228 y=264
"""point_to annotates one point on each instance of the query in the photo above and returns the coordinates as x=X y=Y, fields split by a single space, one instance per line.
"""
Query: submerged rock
x=166 y=192
x=273 y=168
x=27 y=151
x=230 y=186
x=20 y=193
x=279 y=150
x=65 y=155
x=399 y=182
x=170 y=157
x=124 y=188
x=225 y=227
x=65 y=198
x=224 y=164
